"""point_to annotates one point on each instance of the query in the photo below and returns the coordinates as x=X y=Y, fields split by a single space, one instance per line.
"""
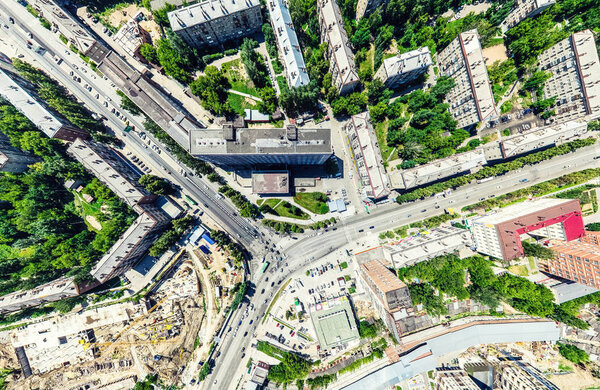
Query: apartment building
x=575 y=79
x=14 y=159
x=389 y=295
x=513 y=374
x=367 y=157
x=442 y=168
x=21 y=94
x=339 y=52
x=214 y=22
x=404 y=68
x=68 y=26
x=110 y=169
x=367 y=7
x=471 y=100
x=132 y=36
x=577 y=260
x=522 y=10
x=453 y=378
x=248 y=147
x=287 y=44
x=498 y=233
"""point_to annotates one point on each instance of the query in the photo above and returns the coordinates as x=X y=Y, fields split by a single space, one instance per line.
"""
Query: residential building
x=367 y=157
x=14 y=159
x=471 y=100
x=49 y=292
x=443 y=168
x=514 y=374
x=132 y=36
x=212 y=23
x=522 y=10
x=21 y=94
x=239 y=147
x=577 y=260
x=367 y=7
x=415 y=249
x=69 y=27
x=453 y=378
x=404 y=68
x=498 y=233
x=575 y=76
x=287 y=43
x=389 y=295
x=110 y=169
x=334 y=323
x=339 y=52
x=271 y=182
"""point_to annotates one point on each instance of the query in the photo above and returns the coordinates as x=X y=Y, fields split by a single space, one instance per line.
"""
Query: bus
x=264 y=267
x=190 y=200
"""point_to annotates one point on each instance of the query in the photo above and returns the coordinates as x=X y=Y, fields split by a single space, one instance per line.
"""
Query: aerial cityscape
x=299 y=194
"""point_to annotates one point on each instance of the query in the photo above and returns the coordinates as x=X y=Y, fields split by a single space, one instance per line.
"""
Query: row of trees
x=247 y=208
x=291 y=367
x=235 y=250
x=171 y=235
x=495 y=170
x=156 y=185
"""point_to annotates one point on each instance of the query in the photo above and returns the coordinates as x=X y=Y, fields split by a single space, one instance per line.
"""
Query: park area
x=315 y=202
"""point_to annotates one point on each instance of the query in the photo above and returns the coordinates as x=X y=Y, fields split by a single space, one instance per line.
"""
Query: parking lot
x=516 y=122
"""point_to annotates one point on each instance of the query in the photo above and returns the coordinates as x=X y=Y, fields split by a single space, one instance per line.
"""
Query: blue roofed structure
x=206 y=237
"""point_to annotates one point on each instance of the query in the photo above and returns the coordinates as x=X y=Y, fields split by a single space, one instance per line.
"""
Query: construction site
x=112 y=346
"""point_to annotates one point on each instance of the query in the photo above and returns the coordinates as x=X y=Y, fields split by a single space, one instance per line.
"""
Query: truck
x=486 y=179
x=190 y=200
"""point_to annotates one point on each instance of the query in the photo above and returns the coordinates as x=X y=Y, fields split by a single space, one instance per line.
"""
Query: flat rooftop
x=435 y=241
x=271 y=182
x=409 y=61
x=589 y=68
x=334 y=322
x=385 y=279
x=288 y=46
x=260 y=141
x=205 y=11
x=519 y=209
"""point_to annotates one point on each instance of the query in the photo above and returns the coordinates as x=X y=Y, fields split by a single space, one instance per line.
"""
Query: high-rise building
x=14 y=159
x=471 y=99
x=248 y=147
x=515 y=374
x=367 y=157
x=339 y=52
x=578 y=260
x=498 y=233
x=390 y=296
x=287 y=43
x=214 y=22
x=574 y=80
x=453 y=378
x=522 y=10
x=404 y=68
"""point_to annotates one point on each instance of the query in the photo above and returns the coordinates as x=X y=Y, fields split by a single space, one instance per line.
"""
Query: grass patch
x=519 y=270
x=387 y=152
x=239 y=103
x=283 y=209
x=312 y=201
x=531 y=262
x=236 y=74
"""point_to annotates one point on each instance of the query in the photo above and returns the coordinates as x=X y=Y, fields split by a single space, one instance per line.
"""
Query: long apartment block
x=339 y=52
x=575 y=79
x=471 y=100
x=404 y=68
x=212 y=23
x=14 y=159
x=287 y=43
x=522 y=10
x=367 y=157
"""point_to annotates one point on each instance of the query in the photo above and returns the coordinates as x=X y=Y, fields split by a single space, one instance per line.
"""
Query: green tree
x=572 y=353
x=156 y=185
x=149 y=53
x=212 y=88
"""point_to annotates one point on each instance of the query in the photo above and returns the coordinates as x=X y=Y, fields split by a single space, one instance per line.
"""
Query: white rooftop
x=207 y=10
x=518 y=209
x=589 y=68
x=289 y=48
x=407 y=62
x=130 y=36
x=19 y=97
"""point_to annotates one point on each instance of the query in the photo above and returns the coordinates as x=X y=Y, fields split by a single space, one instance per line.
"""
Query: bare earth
x=494 y=53
x=93 y=222
x=122 y=16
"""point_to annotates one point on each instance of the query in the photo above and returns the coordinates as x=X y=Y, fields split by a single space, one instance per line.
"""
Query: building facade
x=132 y=36
x=471 y=99
x=404 y=68
x=453 y=378
x=575 y=76
x=14 y=159
x=287 y=43
x=339 y=52
x=498 y=233
x=389 y=295
x=522 y=10
x=367 y=7
x=212 y=23
x=243 y=147
x=367 y=157
x=520 y=375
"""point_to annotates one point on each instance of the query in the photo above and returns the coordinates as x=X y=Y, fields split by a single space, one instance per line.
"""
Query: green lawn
x=236 y=75
x=86 y=209
x=387 y=153
x=239 y=103
x=367 y=65
x=284 y=209
x=312 y=201
x=519 y=270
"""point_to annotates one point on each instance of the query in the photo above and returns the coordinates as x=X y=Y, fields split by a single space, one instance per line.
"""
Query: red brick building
x=578 y=260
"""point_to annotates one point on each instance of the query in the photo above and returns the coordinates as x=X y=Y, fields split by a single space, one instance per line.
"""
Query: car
x=361 y=230
x=192 y=382
x=262 y=291
x=265 y=301
x=243 y=349
x=215 y=382
x=11 y=20
x=240 y=323
x=97 y=96
x=409 y=215
x=106 y=104
x=246 y=333
x=371 y=227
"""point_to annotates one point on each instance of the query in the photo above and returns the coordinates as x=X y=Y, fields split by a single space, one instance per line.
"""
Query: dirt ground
x=494 y=53
x=577 y=380
x=122 y=16
x=93 y=222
